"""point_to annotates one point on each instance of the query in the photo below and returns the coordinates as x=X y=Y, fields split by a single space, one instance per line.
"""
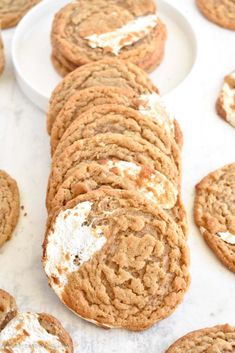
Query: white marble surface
x=209 y=143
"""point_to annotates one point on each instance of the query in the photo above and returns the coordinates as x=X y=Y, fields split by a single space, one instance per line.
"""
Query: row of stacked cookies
x=11 y=12
x=115 y=250
x=87 y=31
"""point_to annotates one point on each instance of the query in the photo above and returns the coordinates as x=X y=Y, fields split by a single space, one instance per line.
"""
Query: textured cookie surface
x=111 y=148
x=218 y=339
x=214 y=213
x=109 y=72
x=2 y=55
x=9 y=206
x=129 y=31
x=148 y=105
x=119 y=262
x=221 y=12
x=12 y=11
x=112 y=118
x=226 y=102
x=118 y=175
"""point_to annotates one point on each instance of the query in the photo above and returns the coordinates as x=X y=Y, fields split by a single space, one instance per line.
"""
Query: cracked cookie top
x=221 y=12
x=226 y=102
x=214 y=212
x=88 y=31
x=149 y=105
x=108 y=72
x=218 y=339
x=2 y=54
x=115 y=260
x=11 y=11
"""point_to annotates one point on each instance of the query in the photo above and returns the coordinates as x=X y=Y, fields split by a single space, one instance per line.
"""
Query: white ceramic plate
x=31 y=51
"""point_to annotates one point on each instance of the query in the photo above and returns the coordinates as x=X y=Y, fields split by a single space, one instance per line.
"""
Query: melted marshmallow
x=71 y=243
x=24 y=334
x=153 y=106
x=155 y=186
x=124 y=36
x=228 y=94
x=227 y=237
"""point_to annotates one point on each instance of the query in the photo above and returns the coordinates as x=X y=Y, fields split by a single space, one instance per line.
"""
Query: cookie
x=2 y=55
x=217 y=339
x=115 y=260
x=8 y=308
x=9 y=206
x=221 y=12
x=225 y=105
x=214 y=213
x=37 y=332
x=111 y=149
x=12 y=11
x=112 y=118
x=109 y=73
x=150 y=105
x=125 y=32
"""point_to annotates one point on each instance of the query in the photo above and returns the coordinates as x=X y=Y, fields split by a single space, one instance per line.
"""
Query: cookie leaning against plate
x=126 y=32
x=149 y=105
x=147 y=160
x=221 y=12
x=37 y=332
x=225 y=104
x=113 y=118
x=109 y=73
x=12 y=11
x=217 y=339
x=9 y=206
x=115 y=260
x=214 y=213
